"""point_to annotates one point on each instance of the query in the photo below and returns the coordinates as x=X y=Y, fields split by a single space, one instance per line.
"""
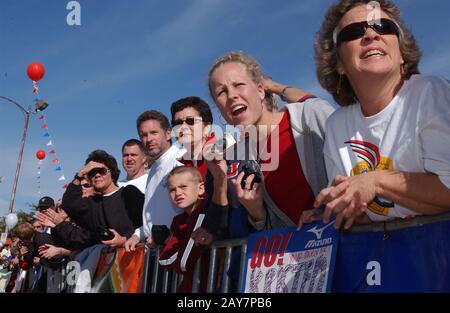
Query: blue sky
x=131 y=56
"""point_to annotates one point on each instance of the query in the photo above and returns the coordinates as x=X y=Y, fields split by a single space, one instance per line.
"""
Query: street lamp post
x=40 y=106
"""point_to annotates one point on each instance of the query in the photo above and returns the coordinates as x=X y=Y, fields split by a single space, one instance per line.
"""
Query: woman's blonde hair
x=251 y=65
x=253 y=68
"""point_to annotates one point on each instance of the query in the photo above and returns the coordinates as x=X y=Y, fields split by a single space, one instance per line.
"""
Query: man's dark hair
x=101 y=156
x=153 y=115
x=135 y=142
x=197 y=104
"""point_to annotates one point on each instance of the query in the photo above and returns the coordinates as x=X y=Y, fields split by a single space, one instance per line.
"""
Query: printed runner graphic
x=371 y=161
x=285 y=260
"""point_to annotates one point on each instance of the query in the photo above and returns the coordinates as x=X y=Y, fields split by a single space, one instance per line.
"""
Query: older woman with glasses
x=192 y=123
x=387 y=148
x=113 y=213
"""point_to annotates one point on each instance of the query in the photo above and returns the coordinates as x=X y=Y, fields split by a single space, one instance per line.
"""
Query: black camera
x=160 y=233
x=248 y=169
x=105 y=234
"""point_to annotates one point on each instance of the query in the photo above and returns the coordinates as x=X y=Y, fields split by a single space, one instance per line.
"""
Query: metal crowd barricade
x=159 y=280
x=164 y=281
x=228 y=245
x=57 y=278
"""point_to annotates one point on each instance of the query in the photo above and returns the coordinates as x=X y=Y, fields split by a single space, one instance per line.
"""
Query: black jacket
x=121 y=211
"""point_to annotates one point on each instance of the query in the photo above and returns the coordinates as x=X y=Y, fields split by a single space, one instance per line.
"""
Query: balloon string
x=35 y=88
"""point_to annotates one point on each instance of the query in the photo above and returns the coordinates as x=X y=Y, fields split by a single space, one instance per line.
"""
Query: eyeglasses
x=98 y=170
x=86 y=185
x=356 y=30
x=37 y=227
x=191 y=120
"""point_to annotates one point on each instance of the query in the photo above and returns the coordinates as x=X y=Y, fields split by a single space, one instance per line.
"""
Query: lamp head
x=41 y=105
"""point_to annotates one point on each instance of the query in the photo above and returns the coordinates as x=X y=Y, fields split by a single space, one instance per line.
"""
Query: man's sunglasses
x=188 y=120
x=98 y=170
x=356 y=30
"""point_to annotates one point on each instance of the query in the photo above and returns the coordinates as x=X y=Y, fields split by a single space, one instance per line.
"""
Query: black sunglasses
x=86 y=185
x=188 y=120
x=98 y=170
x=356 y=30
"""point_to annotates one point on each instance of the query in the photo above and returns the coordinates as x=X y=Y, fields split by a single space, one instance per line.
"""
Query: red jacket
x=181 y=253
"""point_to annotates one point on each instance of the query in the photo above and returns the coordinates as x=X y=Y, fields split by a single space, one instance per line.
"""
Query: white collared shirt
x=158 y=208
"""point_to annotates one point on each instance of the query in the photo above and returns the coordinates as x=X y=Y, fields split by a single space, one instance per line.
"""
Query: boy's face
x=184 y=190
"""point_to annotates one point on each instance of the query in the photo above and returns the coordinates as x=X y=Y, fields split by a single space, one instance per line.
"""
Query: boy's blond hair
x=186 y=169
x=24 y=231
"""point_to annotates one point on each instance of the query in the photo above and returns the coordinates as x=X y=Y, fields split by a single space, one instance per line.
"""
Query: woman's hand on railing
x=130 y=244
x=346 y=198
x=309 y=216
x=202 y=237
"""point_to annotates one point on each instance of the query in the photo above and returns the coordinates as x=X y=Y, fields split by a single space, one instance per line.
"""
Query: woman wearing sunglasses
x=387 y=148
x=191 y=122
x=110 y=215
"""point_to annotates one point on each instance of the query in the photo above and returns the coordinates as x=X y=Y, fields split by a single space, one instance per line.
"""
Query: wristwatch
x=77 y=177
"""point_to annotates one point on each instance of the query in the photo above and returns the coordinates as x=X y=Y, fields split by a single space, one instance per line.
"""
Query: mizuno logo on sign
x=319 y=232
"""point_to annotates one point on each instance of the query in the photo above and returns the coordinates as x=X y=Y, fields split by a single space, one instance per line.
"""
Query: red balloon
x=35 y=71
x=40 y=154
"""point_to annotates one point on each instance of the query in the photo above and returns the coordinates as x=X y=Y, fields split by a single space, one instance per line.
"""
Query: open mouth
x=184 y=134
x=238 y=109
x=373 y=53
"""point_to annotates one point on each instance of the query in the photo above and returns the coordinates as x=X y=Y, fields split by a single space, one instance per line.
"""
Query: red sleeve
x=306 y=97
x=169 y=253
x=188 y=252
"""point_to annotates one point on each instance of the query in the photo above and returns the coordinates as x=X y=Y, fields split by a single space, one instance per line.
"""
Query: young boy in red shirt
x=187 y=190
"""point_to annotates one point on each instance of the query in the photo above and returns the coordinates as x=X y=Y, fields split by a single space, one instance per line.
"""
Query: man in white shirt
x=135 y=162
x=155 y=133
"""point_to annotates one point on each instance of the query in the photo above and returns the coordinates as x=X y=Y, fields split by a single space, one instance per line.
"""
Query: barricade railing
x=156 y=279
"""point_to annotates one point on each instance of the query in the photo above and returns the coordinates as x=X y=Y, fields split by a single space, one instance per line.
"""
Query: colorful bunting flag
x=55 y=159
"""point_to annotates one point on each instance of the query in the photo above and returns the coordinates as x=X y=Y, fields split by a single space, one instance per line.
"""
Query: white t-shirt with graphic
x=411 y=134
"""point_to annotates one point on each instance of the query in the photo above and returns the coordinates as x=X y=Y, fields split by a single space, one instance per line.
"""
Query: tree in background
x=23 y=217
